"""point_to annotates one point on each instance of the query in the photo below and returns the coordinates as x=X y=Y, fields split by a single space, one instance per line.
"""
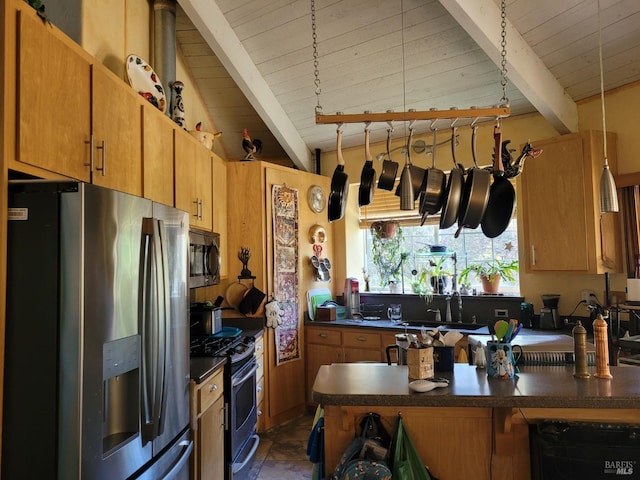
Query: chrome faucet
x=437 y=312
x=453 y=294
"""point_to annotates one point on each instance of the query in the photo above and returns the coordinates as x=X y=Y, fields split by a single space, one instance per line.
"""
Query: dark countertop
x=203 y=367
x=386 y=324
x=366 y=384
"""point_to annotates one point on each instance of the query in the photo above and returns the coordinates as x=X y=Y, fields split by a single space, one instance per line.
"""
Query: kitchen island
x=477 y=427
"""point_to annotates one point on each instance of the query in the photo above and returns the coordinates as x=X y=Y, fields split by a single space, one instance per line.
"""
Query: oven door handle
x=251 y=371
x=236 y=467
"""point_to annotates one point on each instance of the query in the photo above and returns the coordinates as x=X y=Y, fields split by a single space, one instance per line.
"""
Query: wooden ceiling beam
x=482 y=21
x=216 y=31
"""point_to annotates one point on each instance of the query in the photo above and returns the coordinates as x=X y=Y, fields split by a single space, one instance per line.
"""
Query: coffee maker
x=352 y=297
x=549 y=318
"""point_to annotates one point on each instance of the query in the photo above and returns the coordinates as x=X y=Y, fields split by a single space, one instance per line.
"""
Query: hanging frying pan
x=502 y=195
x=368 y=175
x=453 y=192
x=389 y=167
x=475 y=194
x=418 y=174
x=339 y=185
x=435 y=184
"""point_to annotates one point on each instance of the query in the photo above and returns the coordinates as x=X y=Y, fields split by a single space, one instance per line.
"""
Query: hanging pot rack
x=471 y=114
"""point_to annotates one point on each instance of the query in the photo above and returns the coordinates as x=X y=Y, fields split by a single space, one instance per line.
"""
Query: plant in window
x=439 y=273
x=387 y=255
x=490 y=273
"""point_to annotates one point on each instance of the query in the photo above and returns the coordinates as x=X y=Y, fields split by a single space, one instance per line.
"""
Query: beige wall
x=113 y=29
x=622 y=116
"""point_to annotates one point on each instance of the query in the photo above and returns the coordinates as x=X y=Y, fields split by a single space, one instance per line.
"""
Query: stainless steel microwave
x=204 y=259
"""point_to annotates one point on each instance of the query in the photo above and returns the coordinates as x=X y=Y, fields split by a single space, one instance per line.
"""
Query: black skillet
x=453 y=193
x=502 y=195
x=418 y=174
x=389 y=167
x=368 y=175
x=435 y=184
x=339 y=185
x=475 y=194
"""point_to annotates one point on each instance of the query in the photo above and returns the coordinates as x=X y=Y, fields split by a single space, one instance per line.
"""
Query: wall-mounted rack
x=451 y=114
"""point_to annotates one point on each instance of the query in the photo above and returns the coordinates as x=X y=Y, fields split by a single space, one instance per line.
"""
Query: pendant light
x=608 y=192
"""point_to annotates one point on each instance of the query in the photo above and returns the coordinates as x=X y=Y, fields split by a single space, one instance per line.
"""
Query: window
x=472 y=246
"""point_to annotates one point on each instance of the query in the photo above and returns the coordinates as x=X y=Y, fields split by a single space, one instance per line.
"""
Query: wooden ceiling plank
x=481 y=20
x=219 y=35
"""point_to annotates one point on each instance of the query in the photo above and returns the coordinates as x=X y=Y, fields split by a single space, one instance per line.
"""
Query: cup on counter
x=394 y=313
x=500 y=359
x=420 y=363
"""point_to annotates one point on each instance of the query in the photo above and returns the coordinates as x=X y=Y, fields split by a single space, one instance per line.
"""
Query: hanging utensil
x=435 y=184
x=453 y=193
x=339 y=184
x=368 y=175
x=502 y=195
x=417 y=174
x=475 y=194
x=389 y=167
x=406 y=188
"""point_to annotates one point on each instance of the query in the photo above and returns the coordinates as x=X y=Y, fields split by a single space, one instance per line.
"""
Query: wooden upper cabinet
x=117 y=133
x=53 y=100
x=157 y=156
x=68 y=104
x=220 y=208
x=193 y=176
x=559 y=205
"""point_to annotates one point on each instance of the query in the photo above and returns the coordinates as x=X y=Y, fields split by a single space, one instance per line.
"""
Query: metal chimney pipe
x=164 y=45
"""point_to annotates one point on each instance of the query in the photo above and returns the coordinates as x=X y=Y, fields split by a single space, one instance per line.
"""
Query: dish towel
x=315 y=445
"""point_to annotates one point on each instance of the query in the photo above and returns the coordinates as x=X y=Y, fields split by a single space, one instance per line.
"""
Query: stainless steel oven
x=242 y=440
x=204 y=259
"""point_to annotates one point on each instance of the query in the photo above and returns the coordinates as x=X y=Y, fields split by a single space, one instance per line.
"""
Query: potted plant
x=388 y=256
x=439 y=274
x=490 y=273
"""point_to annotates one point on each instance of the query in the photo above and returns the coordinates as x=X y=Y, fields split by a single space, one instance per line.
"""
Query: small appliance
x=549 y=318
x=352 y=297
x=205 y=319
x=204 y=259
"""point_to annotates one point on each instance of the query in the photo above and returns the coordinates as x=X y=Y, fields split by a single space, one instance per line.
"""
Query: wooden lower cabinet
x=327 y=345
x=207 y=427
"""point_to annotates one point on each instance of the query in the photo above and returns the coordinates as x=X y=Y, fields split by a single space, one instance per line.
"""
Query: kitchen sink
x=447 y=325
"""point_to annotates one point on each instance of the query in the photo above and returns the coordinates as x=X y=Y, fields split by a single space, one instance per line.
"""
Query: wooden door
x=157 y=156
x=184 y=165
x=211 y=442
x=553 y=206
x=203 y=184
x=117 y=133
x=318 y=355
x=54 y=101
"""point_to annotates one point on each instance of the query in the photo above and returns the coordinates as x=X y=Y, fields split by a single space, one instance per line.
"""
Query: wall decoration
x=285 y=271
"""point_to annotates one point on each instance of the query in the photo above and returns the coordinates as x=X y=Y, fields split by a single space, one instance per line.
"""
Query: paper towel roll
x=633 y=289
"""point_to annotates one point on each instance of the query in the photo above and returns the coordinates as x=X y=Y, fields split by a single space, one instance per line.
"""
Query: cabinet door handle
x=90 y=143
x=200 y=205
x=103 y=147
x=259 y=412
x=259 y=388
x=338 y=356
x=323 y=335
x=197 y=214
x=213 y=387
x=361 y=338
x=533 y=254
x=259 y=348
x=223 y=417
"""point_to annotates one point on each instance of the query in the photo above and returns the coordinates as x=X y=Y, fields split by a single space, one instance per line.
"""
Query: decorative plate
x=317 y=198
x=145 y=81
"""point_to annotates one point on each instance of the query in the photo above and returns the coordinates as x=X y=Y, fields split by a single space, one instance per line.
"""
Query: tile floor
x=282 y=453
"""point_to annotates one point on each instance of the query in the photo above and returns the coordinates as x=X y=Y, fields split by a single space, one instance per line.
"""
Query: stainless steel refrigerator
x=97 y=359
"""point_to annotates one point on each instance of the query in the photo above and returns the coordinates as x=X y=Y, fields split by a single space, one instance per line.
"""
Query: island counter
x=477 y=427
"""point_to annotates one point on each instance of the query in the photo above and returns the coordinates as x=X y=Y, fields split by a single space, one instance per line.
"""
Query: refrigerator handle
x=164 y=297
x=153 y=328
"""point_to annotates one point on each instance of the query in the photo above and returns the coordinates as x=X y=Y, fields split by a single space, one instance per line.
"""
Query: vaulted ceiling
x=253 y=62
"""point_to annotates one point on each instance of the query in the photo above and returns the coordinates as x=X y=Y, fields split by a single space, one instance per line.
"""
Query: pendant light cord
x=604 y=121
x=404 y=82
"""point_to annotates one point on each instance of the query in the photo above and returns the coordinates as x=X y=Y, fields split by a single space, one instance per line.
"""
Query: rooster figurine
x=250 y=146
